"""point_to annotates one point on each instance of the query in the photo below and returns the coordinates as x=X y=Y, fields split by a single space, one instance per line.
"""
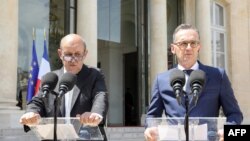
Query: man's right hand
x=151 y=134
x=30 y=118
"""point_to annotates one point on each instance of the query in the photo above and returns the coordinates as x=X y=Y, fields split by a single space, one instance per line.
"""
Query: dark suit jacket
x=89 y=94
x=216 y=92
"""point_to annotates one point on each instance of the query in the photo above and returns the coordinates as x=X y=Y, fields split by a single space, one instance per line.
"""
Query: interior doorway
x=131 y=95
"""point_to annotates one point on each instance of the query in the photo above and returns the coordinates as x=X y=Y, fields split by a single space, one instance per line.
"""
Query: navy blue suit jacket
x=217 y=92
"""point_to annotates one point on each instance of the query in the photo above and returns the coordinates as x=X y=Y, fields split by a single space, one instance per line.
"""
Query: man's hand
x=91 y=119
x=221 y=135
x=151 y=134
x=30 y=118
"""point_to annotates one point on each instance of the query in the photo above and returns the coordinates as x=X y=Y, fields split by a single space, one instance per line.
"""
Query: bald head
x=72 y=52
x=72 y=38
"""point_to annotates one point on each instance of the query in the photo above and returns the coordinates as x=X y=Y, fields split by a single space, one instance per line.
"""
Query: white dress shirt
x=68 y=101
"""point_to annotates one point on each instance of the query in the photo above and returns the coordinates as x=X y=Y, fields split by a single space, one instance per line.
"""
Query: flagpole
x=44 y=34
x=34 y=34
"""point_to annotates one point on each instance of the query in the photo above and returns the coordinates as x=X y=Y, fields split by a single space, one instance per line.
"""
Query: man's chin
x=187 y=63
x=73 y=71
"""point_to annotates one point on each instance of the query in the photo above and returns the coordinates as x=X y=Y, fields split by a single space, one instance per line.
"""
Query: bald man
x=88 y=98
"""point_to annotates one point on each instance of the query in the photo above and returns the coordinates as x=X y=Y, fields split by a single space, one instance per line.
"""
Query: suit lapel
x=203 y=68
x=82 y=75
x=76 y=92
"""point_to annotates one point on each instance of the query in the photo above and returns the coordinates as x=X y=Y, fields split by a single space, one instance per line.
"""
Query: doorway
x=131 y=95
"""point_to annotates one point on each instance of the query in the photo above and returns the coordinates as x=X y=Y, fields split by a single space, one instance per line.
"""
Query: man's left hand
x=91 y=119
x=221 y=135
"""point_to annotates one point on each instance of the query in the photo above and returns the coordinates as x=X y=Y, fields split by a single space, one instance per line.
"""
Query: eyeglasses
x=70 y=57
x=183 y=45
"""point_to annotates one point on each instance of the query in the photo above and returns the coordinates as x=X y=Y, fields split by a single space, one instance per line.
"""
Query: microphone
x=177 y=81
x=48 y=83
x=196 y=81
x=66 y=83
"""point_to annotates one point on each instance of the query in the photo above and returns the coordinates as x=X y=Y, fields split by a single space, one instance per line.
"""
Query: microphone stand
x=56 y=101
x=186 y=116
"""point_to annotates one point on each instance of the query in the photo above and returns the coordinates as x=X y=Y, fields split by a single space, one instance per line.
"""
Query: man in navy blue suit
x=216 y=93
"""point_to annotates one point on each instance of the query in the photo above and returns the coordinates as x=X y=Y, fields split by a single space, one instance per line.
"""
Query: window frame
x=218 y=29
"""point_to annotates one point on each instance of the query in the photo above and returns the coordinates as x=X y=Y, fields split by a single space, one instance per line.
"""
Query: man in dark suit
x=88 y=98
x=217 y=91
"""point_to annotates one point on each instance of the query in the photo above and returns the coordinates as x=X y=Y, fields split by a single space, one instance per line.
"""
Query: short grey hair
x=185 y=27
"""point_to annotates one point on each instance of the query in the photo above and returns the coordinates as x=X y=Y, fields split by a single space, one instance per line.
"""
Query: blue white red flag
x=44 y=67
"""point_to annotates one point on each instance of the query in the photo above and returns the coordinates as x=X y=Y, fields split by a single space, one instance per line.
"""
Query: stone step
x=14 y=134
x=125 y=133
x=113 y=134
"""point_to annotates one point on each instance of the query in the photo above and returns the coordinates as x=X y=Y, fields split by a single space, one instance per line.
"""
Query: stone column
x=189 y=11
x=158 y=37
x=9 y=112
x=238 y=58
x=8 y=53
x=203 y=23
x=87 y=27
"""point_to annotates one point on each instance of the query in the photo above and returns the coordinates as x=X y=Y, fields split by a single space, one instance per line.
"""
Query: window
x=62 y=21
x=219 y=35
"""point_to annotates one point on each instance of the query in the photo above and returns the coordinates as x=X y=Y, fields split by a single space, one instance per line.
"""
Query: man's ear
x=199 y=47
x=172 y=48
x=85 y=54
x=59 y=52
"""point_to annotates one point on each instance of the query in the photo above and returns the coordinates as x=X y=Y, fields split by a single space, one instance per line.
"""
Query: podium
x=173 y=129
x=68 y=129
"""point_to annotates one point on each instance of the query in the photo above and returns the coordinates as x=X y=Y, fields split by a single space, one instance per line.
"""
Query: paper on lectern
x=176 y=132
x=64 y=131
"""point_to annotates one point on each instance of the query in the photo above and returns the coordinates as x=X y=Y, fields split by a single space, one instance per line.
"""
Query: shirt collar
x=64 y=70
x=194 y=67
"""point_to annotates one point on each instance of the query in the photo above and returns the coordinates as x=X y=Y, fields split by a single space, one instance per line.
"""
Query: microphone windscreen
x=68 y=79
x=49 y=79
x=197 y=76
x=177 y=76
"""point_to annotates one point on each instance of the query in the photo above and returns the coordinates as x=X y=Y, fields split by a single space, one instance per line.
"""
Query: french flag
x=44 y=67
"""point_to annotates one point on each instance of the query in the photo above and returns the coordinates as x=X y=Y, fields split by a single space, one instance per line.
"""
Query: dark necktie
x=188 y=72
x=188 y=89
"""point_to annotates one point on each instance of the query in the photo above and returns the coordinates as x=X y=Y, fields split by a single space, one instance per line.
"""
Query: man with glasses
x=217 y=91
x=88 y=98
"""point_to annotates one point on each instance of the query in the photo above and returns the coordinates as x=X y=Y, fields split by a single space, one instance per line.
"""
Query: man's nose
x=188 y=46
